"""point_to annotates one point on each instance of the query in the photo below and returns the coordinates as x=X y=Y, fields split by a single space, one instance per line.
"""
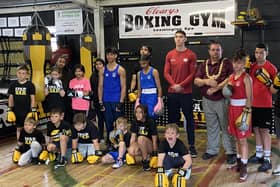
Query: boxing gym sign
x=196 y=19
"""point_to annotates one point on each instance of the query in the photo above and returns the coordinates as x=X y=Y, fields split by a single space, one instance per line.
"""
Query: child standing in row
x=80 y=89
x=239 y=111
x=21 y=98
x=149 y=87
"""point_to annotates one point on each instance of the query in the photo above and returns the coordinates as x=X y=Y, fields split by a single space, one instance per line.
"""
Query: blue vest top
x=111 y=85
x=147 y=80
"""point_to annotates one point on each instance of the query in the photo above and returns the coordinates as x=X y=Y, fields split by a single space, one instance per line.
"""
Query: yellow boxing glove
x=11 y=117
x=33 y=114
x=132 y=96
x=276 y=81
x=161 y=179
x=92 y=159
x=180 y=178
x=244 y=120
x=52 y=156
x=76 y=157
x=154 y=160
x=43 y=156
x=16 y=155
x=263 y=76
x=129 y=159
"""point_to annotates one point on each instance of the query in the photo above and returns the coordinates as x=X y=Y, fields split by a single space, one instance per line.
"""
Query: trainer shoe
x=61 y=162
x=193 y=151
x=243 y=172
x=34 y=160
x=146 y=165
x=118 y=164
x=266 y=165
x=255 y=160
x=207 y=156
x=276 y=171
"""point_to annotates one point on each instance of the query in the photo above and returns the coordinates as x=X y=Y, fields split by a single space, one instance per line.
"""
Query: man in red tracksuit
x=179 y=70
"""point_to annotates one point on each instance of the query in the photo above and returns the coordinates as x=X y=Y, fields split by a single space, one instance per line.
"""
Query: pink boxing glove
x=137 y=102
x=158 y=109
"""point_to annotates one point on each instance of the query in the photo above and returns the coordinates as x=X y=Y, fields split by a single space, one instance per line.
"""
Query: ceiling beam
x=86 y=3
x=38 y=8
x=131 y=2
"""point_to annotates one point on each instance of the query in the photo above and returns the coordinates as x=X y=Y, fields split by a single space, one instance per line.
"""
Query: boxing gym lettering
x=20 y=91
x=161 y=17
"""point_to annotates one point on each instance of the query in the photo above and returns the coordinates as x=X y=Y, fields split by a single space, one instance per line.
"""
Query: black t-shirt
x=126 y=138
x=89 y=133
x=53 y=99
x=54 y=132
x=28 y=138
x=179 y=149
x=21 y=94
x=147 y=128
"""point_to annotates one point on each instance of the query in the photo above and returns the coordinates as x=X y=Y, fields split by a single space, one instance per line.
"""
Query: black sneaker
x=146 y=166
x=207 y=156
x=35 y=161
x=193 y=152
x=61 y=162
x=243 y=172
x=255 y=160
x=231 y=159
x=266 y=165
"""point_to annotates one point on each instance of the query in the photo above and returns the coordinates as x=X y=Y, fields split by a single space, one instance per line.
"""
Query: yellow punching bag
x=87 y=52
x=37 y=51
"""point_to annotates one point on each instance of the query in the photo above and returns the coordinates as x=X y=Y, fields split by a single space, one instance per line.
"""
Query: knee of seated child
x=141 y=140
x=35 y=144
x=51 y=147
x=106 y=159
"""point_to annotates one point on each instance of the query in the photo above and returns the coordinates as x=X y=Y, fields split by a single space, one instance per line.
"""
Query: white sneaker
x=276 y=171
x=118 y=164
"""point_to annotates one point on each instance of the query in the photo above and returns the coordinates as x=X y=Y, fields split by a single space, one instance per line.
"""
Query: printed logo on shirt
x=237 y=83
x=79 y=87
x=114 y=74
x=29 y=140
x=53 y=89
x=83 y=136
x=106 y=74
x=185 y=60
x=55 y=135
x=143 y=131
x=172 y=154
x=172 y=60
x=20 y=91
x=149 y=77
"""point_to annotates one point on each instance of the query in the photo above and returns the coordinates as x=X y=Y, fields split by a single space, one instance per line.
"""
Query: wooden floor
x=213 y=173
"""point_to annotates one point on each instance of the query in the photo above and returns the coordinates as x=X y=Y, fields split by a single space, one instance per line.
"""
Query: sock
x=267 y=155
x=259 y=151
x=238 y=155
x=244 y=161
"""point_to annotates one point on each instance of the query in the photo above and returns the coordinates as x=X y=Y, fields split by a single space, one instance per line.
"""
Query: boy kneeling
x=173 y=154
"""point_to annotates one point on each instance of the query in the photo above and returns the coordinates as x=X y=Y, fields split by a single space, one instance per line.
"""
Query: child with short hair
x=84 y=140
x=143 y=136
x=54 y=91
x=21 y=99
x=239 y=110
x=120 y=138
x=79 y=90
x=30 y=143
x=173 y=154
x=59 y=133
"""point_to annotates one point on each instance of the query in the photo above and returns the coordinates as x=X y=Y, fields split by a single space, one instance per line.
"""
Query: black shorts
x=262 y=117
x=173 y=162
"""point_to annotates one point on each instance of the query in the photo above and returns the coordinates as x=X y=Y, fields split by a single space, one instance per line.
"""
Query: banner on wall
x=69 y=21
x=196 y=19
